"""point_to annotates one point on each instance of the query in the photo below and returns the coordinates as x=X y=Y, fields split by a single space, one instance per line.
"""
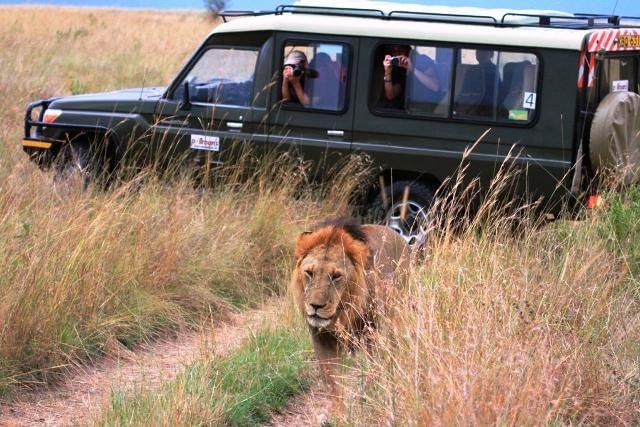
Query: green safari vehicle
x=412 y=87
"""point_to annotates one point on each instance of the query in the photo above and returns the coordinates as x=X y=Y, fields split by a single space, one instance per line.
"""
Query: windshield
x=222 y=76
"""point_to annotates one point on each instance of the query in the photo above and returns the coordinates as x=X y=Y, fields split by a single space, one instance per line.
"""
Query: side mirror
x=185 y=104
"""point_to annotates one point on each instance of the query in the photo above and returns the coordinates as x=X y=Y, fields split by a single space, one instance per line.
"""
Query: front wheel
x=410 y=217
x=73 y=170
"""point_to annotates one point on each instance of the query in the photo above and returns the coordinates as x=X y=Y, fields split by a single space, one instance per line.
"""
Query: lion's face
x=326 y=273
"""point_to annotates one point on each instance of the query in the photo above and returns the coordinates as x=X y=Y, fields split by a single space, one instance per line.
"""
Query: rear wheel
x=410 y=217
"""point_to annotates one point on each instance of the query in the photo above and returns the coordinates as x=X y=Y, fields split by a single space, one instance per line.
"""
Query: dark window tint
x=517 y=87
x=315 y=75
x=495 y=85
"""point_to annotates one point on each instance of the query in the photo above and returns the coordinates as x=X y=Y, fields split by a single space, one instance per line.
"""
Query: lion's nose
x=317 y=307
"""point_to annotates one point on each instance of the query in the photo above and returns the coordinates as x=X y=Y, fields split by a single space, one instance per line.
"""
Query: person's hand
x=387 y=64
x=405 y=62
x=287 y=73
x=290 y=75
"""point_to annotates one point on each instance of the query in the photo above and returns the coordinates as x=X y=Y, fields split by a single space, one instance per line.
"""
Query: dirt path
x=309 y=409
x=86 y=389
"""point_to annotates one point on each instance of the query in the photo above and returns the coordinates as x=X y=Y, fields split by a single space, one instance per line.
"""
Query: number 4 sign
x=529 y=101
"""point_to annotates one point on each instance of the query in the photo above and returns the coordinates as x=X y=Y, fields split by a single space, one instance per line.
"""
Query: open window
x=315 y=75
x=413 y=79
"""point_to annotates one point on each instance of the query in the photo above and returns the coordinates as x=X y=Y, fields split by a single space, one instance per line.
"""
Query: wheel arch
x=103 y=142
x=388 y=176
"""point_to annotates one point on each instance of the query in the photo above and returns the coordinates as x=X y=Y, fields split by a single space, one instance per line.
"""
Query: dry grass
x=46 y=51
x=81 y=270
x=526 y=326
x=534 y=327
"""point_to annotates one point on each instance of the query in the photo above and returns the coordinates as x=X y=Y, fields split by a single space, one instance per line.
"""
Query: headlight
x=50 y=115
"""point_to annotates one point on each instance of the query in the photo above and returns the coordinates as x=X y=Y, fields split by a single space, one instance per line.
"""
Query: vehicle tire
x=414 y=227
x=73 y=167
x=615 y=136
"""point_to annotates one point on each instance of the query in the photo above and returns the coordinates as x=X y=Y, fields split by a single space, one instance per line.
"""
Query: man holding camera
x=396 y=65
x=293 y=73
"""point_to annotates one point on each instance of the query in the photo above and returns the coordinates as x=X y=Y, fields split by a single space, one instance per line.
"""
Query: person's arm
x=289 y=77
x=391 y=90
x=286 y=74
x=428 y=77
x=300 y=93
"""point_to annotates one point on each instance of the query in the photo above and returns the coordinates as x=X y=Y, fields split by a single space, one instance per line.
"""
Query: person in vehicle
x=325 y=87
x=488 y=71
x=294 y=75
x=425 y=88
x=396 y=66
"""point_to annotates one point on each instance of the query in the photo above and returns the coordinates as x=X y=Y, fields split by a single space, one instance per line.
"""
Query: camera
x=299 y=71
x=395 y=61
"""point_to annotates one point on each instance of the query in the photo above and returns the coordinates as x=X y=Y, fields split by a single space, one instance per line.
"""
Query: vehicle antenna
x=614 y=7
x=144 y=78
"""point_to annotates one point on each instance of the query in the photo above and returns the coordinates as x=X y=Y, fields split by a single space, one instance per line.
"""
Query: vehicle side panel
x=436 y=147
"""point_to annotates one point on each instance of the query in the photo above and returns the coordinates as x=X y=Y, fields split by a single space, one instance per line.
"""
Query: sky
x=622 y=7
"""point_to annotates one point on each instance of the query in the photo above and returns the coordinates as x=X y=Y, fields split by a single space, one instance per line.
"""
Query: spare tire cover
x=615 y=136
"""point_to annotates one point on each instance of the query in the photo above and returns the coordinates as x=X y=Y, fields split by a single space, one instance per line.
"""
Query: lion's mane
x=351 y=238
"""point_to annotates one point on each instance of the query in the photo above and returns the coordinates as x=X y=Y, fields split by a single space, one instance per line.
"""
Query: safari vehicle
x=560 y=90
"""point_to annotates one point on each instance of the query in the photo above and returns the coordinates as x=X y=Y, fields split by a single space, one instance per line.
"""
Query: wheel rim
x=413 y=228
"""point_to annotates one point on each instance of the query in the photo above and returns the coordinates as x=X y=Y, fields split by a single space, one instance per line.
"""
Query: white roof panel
x=548 y=37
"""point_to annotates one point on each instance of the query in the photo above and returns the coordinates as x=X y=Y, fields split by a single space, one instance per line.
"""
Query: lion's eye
x=309 y=274
x=335 y=277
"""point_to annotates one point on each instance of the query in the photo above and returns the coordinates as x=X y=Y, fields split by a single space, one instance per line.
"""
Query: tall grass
x=534 y=324
x=499 y=324
x=80 y=271
x=84 y=271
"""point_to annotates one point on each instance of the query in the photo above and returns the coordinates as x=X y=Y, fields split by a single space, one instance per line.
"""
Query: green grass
x=620 y=226
x=241 y=389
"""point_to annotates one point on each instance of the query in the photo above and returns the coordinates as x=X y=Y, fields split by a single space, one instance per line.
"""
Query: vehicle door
x=319 y=126
x=215 y=106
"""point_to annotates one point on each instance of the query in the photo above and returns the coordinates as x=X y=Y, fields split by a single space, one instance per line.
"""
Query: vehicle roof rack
x=442 y=17
x=225 y=14
x=511 y=19
x=330 y=10
x=632 y=21
x=577 y=21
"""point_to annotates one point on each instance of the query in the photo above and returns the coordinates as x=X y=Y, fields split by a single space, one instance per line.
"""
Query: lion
x=344 y=274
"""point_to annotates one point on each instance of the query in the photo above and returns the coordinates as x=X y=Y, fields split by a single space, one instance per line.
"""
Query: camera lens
x=297 y=71
x=395 y=62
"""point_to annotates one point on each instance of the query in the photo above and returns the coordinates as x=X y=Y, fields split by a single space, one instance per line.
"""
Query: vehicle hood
x=136 y=100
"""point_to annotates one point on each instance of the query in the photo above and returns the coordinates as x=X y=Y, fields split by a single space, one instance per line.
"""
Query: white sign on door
x=620 y=86
x=203 y=142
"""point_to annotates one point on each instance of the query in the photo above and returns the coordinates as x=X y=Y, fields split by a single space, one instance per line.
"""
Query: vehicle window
x=496 y=85
x=314 y=75
x=617 y=74
x=477 y=79
x=412 y=78
x=517 y=87
x=222 y=76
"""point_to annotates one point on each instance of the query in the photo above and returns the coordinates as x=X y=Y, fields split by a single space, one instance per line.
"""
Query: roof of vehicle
x=527 y=35
x=524 y=36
